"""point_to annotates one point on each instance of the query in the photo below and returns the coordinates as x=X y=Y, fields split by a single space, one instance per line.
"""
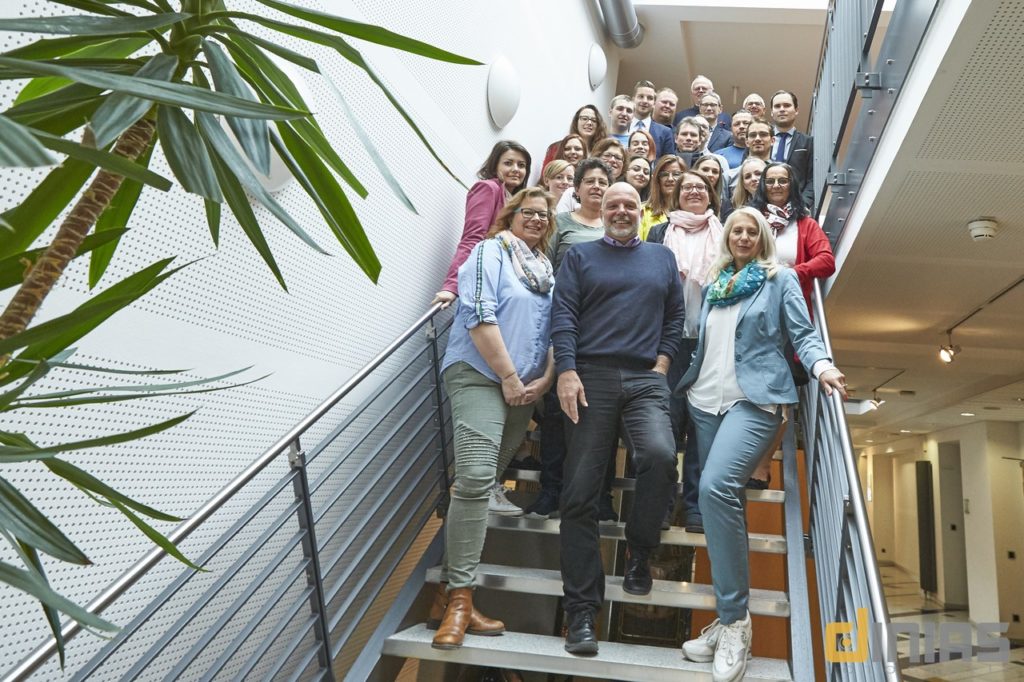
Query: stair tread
x=543 y=653
x=664 y=593
x=758 y=542
x=533 y=475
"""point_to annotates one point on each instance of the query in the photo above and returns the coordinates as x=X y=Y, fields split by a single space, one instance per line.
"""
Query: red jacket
x=483 y=202
x=813 y=256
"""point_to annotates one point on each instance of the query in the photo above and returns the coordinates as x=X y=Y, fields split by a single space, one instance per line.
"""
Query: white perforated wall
x=225 y=311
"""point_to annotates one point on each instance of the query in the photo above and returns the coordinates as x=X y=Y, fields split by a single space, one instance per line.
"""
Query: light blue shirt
x=490 y=292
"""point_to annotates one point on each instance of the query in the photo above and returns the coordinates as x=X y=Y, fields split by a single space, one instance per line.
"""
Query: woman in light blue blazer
x=740 y=388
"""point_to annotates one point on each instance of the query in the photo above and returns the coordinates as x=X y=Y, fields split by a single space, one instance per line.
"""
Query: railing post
x=435 y=362
x=300 y=483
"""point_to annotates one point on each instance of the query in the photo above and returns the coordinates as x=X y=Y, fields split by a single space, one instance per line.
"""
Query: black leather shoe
x=581 y=639
x=636 y=579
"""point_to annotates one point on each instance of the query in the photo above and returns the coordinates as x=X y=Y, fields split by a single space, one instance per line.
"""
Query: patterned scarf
x=732 y=287
x=532 y=267
x=778 y=217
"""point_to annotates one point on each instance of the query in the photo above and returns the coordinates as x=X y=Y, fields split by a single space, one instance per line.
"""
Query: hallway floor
x=907 y=605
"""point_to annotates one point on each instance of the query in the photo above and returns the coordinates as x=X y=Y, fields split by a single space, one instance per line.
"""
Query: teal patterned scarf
x=732 y=287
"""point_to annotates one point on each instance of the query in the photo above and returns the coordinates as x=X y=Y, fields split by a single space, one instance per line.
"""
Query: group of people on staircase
x=667 y=328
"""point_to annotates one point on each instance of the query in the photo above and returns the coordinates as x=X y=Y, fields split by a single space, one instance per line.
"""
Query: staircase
x=532 y=651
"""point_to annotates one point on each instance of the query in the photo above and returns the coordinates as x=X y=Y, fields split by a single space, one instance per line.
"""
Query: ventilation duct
x=623 y=26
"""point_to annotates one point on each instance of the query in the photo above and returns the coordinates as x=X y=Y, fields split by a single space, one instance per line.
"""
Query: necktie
x=639 y=125
x=780 y=151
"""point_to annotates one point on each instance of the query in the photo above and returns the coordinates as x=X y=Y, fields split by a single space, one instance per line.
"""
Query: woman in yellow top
x=664 y=193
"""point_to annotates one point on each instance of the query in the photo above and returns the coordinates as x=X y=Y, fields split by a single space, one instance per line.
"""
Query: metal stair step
x=542 y=653
x=531 y=475
x=664 y=593
x=758 y=542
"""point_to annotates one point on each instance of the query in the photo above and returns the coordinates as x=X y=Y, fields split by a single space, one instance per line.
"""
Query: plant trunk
x=44 y=274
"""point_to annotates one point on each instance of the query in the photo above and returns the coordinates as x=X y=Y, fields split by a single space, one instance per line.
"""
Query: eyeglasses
x=781 y=182
x=530 y=214
x=607 y=156
x=693 y=189
x=754 y=136
x=709 y=105
x=586 y=119
x=674 y=175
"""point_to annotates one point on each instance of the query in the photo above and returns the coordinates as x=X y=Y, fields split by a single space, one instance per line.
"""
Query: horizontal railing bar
x=330 y=563
x=327 y=473
x=182 y=579
x=71 y=628
x=344 y=486
x=362 y=407
x=354 y=619
x=294 y=646
x=256 y=619
x=212 y=591
x=331 y=592
x=273 y=635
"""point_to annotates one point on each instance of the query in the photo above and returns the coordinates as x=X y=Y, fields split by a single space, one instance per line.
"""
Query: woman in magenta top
x=504 y=173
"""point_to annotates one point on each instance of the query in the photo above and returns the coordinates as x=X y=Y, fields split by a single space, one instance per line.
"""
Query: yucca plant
x=116 y=83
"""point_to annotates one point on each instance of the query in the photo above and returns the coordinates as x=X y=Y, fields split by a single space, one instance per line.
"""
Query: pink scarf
x=694 y=240
x=778 y=217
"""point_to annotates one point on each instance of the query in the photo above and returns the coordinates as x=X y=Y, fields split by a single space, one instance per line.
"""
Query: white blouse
x=785 y=244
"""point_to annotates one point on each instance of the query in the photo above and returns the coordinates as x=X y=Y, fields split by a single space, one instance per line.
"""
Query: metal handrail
x=69 y=629
x=856 y=506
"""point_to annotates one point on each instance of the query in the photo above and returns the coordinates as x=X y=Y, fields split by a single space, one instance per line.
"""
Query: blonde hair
x=551 y=170
x=767 y=240
x=503 y=221
x=740 y=195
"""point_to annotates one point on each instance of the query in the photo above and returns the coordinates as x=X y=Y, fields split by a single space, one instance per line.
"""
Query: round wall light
x=597 y=66
x=502 y=92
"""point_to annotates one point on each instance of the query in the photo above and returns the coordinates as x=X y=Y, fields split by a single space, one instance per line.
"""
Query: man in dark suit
x=700 y=86
x=710 y=106
x=790 y=145
x=644 y=96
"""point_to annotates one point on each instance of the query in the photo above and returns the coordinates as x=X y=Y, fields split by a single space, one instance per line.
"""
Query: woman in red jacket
x=801 y=244
x=505 y=172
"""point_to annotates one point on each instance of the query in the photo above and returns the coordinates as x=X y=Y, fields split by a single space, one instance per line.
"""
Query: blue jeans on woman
x=729 y=446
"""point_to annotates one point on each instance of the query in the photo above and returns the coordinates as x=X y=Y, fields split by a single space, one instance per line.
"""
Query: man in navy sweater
x=616 y=324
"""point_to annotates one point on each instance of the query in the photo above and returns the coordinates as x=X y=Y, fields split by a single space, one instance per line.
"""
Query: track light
x=949 y=351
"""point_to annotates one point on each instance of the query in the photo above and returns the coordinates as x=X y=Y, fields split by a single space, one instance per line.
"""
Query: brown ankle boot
x=479 y=624
x=456 y=619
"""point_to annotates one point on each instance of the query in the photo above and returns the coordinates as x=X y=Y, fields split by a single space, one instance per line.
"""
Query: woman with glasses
x=640 y=143
x=664 y=196
x=716 y=169
x=613 y=155
x=505 y=172
x=638 y=175
x=497 y=365
x=739 y=389
x=583 y=224
x=748 y=177
x=692 y=233
x=800 y=244
x=588 y=124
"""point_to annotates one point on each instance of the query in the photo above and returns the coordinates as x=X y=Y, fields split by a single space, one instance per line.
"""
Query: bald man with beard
x=616 y=323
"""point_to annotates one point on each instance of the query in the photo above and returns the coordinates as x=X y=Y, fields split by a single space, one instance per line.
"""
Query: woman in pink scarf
x=693 y=234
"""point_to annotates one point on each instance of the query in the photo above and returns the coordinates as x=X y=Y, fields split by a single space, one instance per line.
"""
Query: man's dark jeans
x=640 y=398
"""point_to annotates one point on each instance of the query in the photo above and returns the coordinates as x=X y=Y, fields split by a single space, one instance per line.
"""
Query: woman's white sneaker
x=732 y=651
x=702 y=649
x=497 y=503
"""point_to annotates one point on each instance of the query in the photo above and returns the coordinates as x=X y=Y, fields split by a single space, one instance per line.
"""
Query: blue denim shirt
x=490 y=292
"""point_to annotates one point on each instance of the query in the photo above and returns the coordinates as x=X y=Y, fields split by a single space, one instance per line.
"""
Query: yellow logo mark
x=839 y=640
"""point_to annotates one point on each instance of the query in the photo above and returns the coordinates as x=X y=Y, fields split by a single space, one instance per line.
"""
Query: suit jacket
x=767 y=319
x=720 y=139
x=664 y=140
x=801 y=158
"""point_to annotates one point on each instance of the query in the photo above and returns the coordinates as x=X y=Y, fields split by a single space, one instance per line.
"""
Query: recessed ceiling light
x=905 y=431
x=869 y=441
x=966 y=414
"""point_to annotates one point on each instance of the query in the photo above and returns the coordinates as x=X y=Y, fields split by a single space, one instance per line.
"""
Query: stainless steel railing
x=844 y=553
x=297 y=570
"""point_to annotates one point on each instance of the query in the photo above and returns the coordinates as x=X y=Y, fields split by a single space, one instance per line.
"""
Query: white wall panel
x=225 y=311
